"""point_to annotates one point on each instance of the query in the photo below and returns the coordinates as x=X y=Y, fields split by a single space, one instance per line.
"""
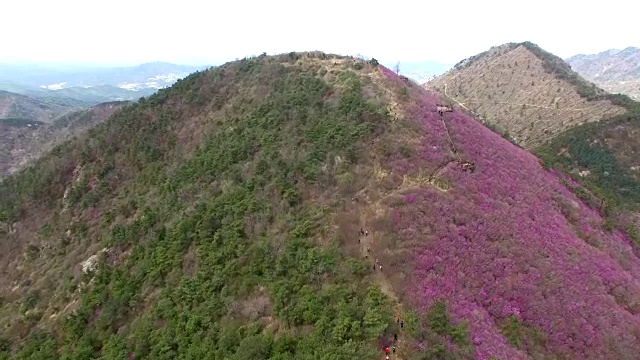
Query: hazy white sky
x=198 y=32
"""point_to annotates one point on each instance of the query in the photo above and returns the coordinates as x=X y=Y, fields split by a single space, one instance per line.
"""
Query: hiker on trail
x=401 y=324
x=469 y=166
x=394 y=350
x=368 y=249
x=398 y=320
x=386 y=350
x=380 y=267
x=395 y=337
x=361 y=231
x=366 y=233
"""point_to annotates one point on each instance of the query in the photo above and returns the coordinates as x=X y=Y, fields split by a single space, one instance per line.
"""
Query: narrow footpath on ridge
x=378 y=266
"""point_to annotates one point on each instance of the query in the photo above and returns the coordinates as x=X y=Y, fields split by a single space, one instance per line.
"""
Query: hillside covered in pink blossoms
x=510 y=244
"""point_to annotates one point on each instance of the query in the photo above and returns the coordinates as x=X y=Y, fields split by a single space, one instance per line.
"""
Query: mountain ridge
x=19 y=106
x=617 y=71
x=523 y=90
x=92 y=84
x=298 y=206
x=23 y=140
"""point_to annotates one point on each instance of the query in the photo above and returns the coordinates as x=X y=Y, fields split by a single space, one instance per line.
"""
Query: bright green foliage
x=608 y=179
x=523 y=337
x=439 y=331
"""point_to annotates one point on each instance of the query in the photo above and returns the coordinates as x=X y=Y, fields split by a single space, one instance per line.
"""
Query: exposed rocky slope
x=222 y=218
x=526 y=92
x=617 y=71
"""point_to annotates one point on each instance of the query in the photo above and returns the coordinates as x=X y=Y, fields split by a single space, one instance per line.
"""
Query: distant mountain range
x=35 y=100
x=91 y=85
x=420 y=71
x=24 y=139
x=617 y=71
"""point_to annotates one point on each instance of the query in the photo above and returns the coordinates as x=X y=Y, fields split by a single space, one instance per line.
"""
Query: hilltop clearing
x=297 y=207
x=22 y=140
x=617 y=71
x=528 y=94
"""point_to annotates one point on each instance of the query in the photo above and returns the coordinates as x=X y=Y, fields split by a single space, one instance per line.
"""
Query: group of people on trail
x=443 y=109
x=395 y=340
x=468 y=166
x=388 y=351
x=366 y=233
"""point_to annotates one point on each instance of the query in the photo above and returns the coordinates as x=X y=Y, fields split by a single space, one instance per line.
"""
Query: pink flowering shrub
x=501 y=246
x=387 y=72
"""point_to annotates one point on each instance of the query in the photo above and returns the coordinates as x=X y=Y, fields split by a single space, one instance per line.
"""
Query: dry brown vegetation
x=510 y=87
x=22 y=143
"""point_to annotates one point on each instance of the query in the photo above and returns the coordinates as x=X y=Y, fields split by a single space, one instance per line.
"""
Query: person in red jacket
x=386 y=350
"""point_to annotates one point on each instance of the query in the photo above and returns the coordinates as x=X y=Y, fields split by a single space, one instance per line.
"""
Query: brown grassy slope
x=25 y=107
x=21 y=144
x=510 y=87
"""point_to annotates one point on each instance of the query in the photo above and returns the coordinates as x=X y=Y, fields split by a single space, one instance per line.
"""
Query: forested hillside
x=25 y=108
x=23 y=140
x=306 y=206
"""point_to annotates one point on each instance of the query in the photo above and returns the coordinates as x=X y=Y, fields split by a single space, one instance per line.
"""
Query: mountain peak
x=525 y=91
x=302 y=204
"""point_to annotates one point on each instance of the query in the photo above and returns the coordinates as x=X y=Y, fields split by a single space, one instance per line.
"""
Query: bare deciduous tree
x=361 y=57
